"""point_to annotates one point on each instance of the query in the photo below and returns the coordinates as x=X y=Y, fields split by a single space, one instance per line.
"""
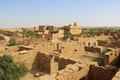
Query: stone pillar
x=7 y=52
x=53 y=66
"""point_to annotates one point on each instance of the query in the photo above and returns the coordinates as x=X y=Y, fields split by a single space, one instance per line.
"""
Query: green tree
x=29 y=33
x=10 y=70
x=12 y=42
x=92 y=32
x=67 y=35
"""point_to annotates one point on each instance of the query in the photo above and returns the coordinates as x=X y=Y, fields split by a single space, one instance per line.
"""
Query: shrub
x=10 y=70
x=12 y=42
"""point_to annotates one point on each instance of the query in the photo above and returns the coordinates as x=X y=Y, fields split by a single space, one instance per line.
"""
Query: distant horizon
x=31 y=26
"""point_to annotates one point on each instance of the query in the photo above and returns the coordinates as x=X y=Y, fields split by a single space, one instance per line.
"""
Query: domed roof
x=75 y=25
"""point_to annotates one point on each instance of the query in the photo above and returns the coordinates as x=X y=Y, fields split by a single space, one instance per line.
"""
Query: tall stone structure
x=75 y=29
x=53 y=66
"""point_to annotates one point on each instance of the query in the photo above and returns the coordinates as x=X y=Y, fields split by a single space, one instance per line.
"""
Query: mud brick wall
x=63 y=62
x=42 y=63
x=100 y=73
x=93 y=49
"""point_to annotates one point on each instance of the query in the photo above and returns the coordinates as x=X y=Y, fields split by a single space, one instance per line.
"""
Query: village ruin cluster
x=70 y=52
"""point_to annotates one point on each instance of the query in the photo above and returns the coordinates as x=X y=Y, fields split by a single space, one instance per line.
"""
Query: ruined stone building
x=73 y=72
x=75 y=29
x=100 y=73
x=89 y=42
x=49 y=64
x=111 y=57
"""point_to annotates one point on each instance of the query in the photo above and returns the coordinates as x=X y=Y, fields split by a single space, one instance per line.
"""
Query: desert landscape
x=59 y=40
x=70 y=52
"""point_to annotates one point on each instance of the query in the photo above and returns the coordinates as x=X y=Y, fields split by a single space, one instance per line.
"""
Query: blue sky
x=59 y=12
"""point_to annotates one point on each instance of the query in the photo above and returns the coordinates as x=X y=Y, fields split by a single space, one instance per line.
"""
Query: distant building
x=56 y=36
x=75 y=29
x=89 y=42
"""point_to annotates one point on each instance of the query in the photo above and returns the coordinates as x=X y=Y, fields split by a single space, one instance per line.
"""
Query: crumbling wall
x=111 y=57
x=100 y=73
x=93 y=49
x=102 y=43
x=41 y=63
x=63 y=62
x=73 y=73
